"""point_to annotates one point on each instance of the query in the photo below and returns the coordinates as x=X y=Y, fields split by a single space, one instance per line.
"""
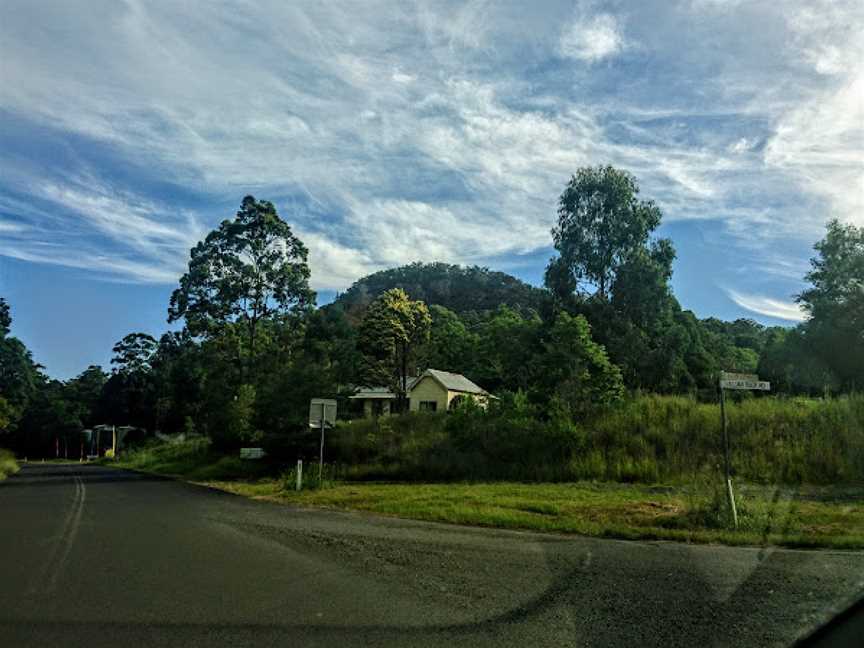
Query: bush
x=647 y=438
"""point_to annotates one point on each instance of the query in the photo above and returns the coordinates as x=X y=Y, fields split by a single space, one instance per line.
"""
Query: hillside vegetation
x=457 y=288
x=648 y=439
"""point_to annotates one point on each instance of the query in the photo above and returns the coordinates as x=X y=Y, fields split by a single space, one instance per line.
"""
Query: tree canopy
x=601 y=225
x=253 y=349
x=250 y=269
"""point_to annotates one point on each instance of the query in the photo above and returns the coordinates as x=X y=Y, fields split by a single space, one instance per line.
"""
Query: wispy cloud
x=417 y=131
x=768 y=306
x=592 y=38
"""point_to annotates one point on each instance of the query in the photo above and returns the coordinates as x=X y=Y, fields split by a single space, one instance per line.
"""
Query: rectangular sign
x=325 y=407
x=725 y=375
x=251 y=453
x=760 y=385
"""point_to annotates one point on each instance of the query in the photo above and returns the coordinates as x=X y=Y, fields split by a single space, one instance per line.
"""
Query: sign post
x=739 y=382
x=322 y=413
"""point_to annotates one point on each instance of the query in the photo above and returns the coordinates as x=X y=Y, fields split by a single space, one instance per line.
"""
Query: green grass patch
x=807 y=517
x=8 y=465
x=192 y=459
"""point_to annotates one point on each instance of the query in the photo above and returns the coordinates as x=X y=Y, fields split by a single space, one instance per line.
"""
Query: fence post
x=299 y=474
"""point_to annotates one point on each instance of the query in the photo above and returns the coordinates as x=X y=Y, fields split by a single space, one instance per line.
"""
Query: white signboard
x=744 y=383
x=251 y=453
x=322 y=408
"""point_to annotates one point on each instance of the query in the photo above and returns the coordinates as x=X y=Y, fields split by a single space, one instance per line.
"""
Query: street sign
x=759 y=385
x=734 y=381
x=322 y=408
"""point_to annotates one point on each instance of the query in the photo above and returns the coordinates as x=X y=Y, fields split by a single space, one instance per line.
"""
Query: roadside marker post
x=738 y=382
x=299 y=474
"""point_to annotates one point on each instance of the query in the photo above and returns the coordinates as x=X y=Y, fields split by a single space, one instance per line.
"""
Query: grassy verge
x=805 y=517
x=191 y=460
x=798 y=516
x=8 y=465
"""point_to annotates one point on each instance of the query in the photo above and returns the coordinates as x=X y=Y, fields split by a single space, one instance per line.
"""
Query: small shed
x=377 y=401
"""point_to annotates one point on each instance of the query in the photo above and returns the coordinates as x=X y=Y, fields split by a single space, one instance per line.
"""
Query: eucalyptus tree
x=835 y=302
x=601 y=224
x=249 y=270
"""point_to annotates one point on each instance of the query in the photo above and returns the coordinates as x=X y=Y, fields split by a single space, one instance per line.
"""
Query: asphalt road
x=97 y=557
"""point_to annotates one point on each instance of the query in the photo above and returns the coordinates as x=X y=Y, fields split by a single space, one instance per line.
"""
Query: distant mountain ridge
x=459 y=288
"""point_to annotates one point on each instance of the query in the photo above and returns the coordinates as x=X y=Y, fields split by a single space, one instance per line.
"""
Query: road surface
x=96 y=557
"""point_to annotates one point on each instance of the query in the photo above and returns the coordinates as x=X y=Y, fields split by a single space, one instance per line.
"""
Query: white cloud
x=768 y=306
x=421 y=131
x=592 y=39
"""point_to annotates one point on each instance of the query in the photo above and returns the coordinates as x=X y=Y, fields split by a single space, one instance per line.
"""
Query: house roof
x=454 y=381
x=364 y=393
x=373 y=392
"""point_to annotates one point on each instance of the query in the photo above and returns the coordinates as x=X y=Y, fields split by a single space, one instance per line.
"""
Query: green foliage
x=134 y=353
x=507 y=343
x=192 y=458
x=575 y=369
x=835 y=302
x=456 y=288
x=8 y=465
x=645 y=439
x=389 y=336
x=601 y=225
x=7 y=414
x=248 y=270
x=5 y=318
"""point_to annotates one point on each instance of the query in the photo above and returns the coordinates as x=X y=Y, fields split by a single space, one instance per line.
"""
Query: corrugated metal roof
x=454 y=381
x=382 y=392
x=373 y=392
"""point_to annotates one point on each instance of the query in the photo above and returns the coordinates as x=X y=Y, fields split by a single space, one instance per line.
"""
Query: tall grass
x=191 y=458
x=648 y=438
x=8 y=465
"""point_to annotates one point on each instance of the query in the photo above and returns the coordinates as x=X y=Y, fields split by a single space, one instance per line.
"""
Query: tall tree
x=134 y=353
x=19 y=375
x=250 y=269
x=391 y=331
x=835 y=302
x=601 y=223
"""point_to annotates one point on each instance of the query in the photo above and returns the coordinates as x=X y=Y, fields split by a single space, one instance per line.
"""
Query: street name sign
x=730 y=380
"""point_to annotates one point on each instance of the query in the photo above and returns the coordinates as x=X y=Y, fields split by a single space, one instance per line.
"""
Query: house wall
x=368 y=404
x=429 y=389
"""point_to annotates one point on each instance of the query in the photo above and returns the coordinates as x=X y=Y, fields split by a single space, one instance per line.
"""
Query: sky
x=392 y=132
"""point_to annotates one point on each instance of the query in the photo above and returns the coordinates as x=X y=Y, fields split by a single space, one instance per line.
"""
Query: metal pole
x=321 y=454
x=727 y=467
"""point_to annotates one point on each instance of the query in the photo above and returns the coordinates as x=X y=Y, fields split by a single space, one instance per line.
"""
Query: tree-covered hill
x=458 y=288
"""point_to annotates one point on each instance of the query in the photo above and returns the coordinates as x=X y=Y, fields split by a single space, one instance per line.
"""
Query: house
x=436 y=390
x=432 y=391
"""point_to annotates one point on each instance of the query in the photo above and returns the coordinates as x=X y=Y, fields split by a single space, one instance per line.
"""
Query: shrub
x=646 y=438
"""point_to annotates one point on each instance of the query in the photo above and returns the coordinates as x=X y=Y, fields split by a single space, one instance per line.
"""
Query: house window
x=428 y=406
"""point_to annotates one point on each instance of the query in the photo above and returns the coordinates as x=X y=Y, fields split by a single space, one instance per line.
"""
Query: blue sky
x=396 y=131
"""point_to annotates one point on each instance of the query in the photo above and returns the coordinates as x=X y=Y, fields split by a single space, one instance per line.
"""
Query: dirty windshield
x=431 y=323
